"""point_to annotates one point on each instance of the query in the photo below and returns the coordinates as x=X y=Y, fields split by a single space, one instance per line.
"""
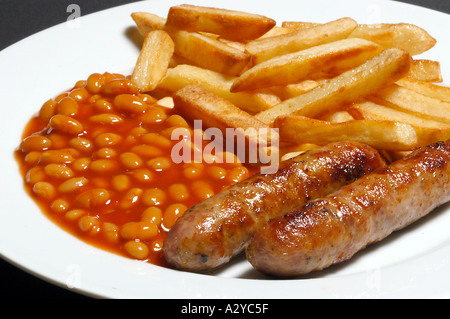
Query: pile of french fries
x=316 y=82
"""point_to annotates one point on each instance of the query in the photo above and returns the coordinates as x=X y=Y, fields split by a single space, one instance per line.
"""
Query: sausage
x=210 y=233
x=331 y=229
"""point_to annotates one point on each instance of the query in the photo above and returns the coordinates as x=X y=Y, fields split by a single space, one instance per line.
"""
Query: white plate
x=411 y=263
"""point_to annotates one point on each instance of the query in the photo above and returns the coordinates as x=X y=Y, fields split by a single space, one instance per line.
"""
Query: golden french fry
x=339 y=117
x=369 y=110
x=299 y=24
x=428 y=131
x=147 y=22
x=289 y=91
x=267 y=48
x=153 y=60
x=425 y=70
x=412 y=102
x=196 y=103
x=384 y=69
x=276 y=31
x=404 y=36
x=333 y=58
x=209 y=53
x=426 y=88
x=385 y=135
x=219 y=84
x=229 y=24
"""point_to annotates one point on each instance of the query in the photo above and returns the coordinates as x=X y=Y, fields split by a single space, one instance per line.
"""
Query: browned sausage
x=212 y=232
x=333 y=228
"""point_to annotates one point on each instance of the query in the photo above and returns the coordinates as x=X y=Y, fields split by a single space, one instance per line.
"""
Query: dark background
x=22 y=18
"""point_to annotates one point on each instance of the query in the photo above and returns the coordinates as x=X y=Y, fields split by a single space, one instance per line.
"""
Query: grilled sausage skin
x=210 y=233
x=333 y=228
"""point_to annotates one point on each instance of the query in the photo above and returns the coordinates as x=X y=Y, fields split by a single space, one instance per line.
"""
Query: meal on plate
x=297 y=144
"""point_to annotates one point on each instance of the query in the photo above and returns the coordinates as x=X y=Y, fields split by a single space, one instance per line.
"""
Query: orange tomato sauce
x=97 y=161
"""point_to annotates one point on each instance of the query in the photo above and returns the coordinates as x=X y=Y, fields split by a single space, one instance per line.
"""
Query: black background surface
x=22 y=18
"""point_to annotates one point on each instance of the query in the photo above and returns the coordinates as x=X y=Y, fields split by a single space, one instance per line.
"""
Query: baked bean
x=55 y=156
x=106 y=118
x=129 y=103
x=193 y=170
x=89 y=224
x=105 y=152
x=81 y=164
x=159 y=163
x=216 y=172
x=147 y=98
x=154 y=197
x=147 y=151
x=92 y=198
x=237 y=174
x=35 y=143
x=74 y=214
x=177 y=121
x=59 y=205
x=95 y=82
x=58 y=140
x=81 y=144
x=47 y=110
x=35 y=174
x=153 y=115
x=61 y=171
x=143 y=175
x=104 y=166
x=178 y=192
x=67 y=106
x=156 y=140
x=121 y=182
x=136 y=249
x=103 y=106
x=107 y=139
x=172 y=213
x=119 y=86
x=66 y=124
x=72 y=184
x=202 y=190
x=131 y=160
x=131 y=198
x=152 y=215
x=139 y=230
x=44 y=190
x=32 y=158
x=79 y=94
x=111 y=232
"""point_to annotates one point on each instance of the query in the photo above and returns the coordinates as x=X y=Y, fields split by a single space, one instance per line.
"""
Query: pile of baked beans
x=97 y=160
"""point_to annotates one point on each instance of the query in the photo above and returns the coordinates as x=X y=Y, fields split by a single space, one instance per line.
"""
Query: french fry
x=386 y=135
x=299 y=24
x=291 y=90
x=369 y=110
x=384 y=69
x=200 y=49
x=412 y=102
x=267 y=48
x=425 y=70
x=229 y=24
x=333 y=58
x=219 y=84
x=147 y=22
x=276 y=30
x=209 y=53
x=196 y=103
x=153 y=60
x=405 y=36
x=428 y=131
x=426 y=88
